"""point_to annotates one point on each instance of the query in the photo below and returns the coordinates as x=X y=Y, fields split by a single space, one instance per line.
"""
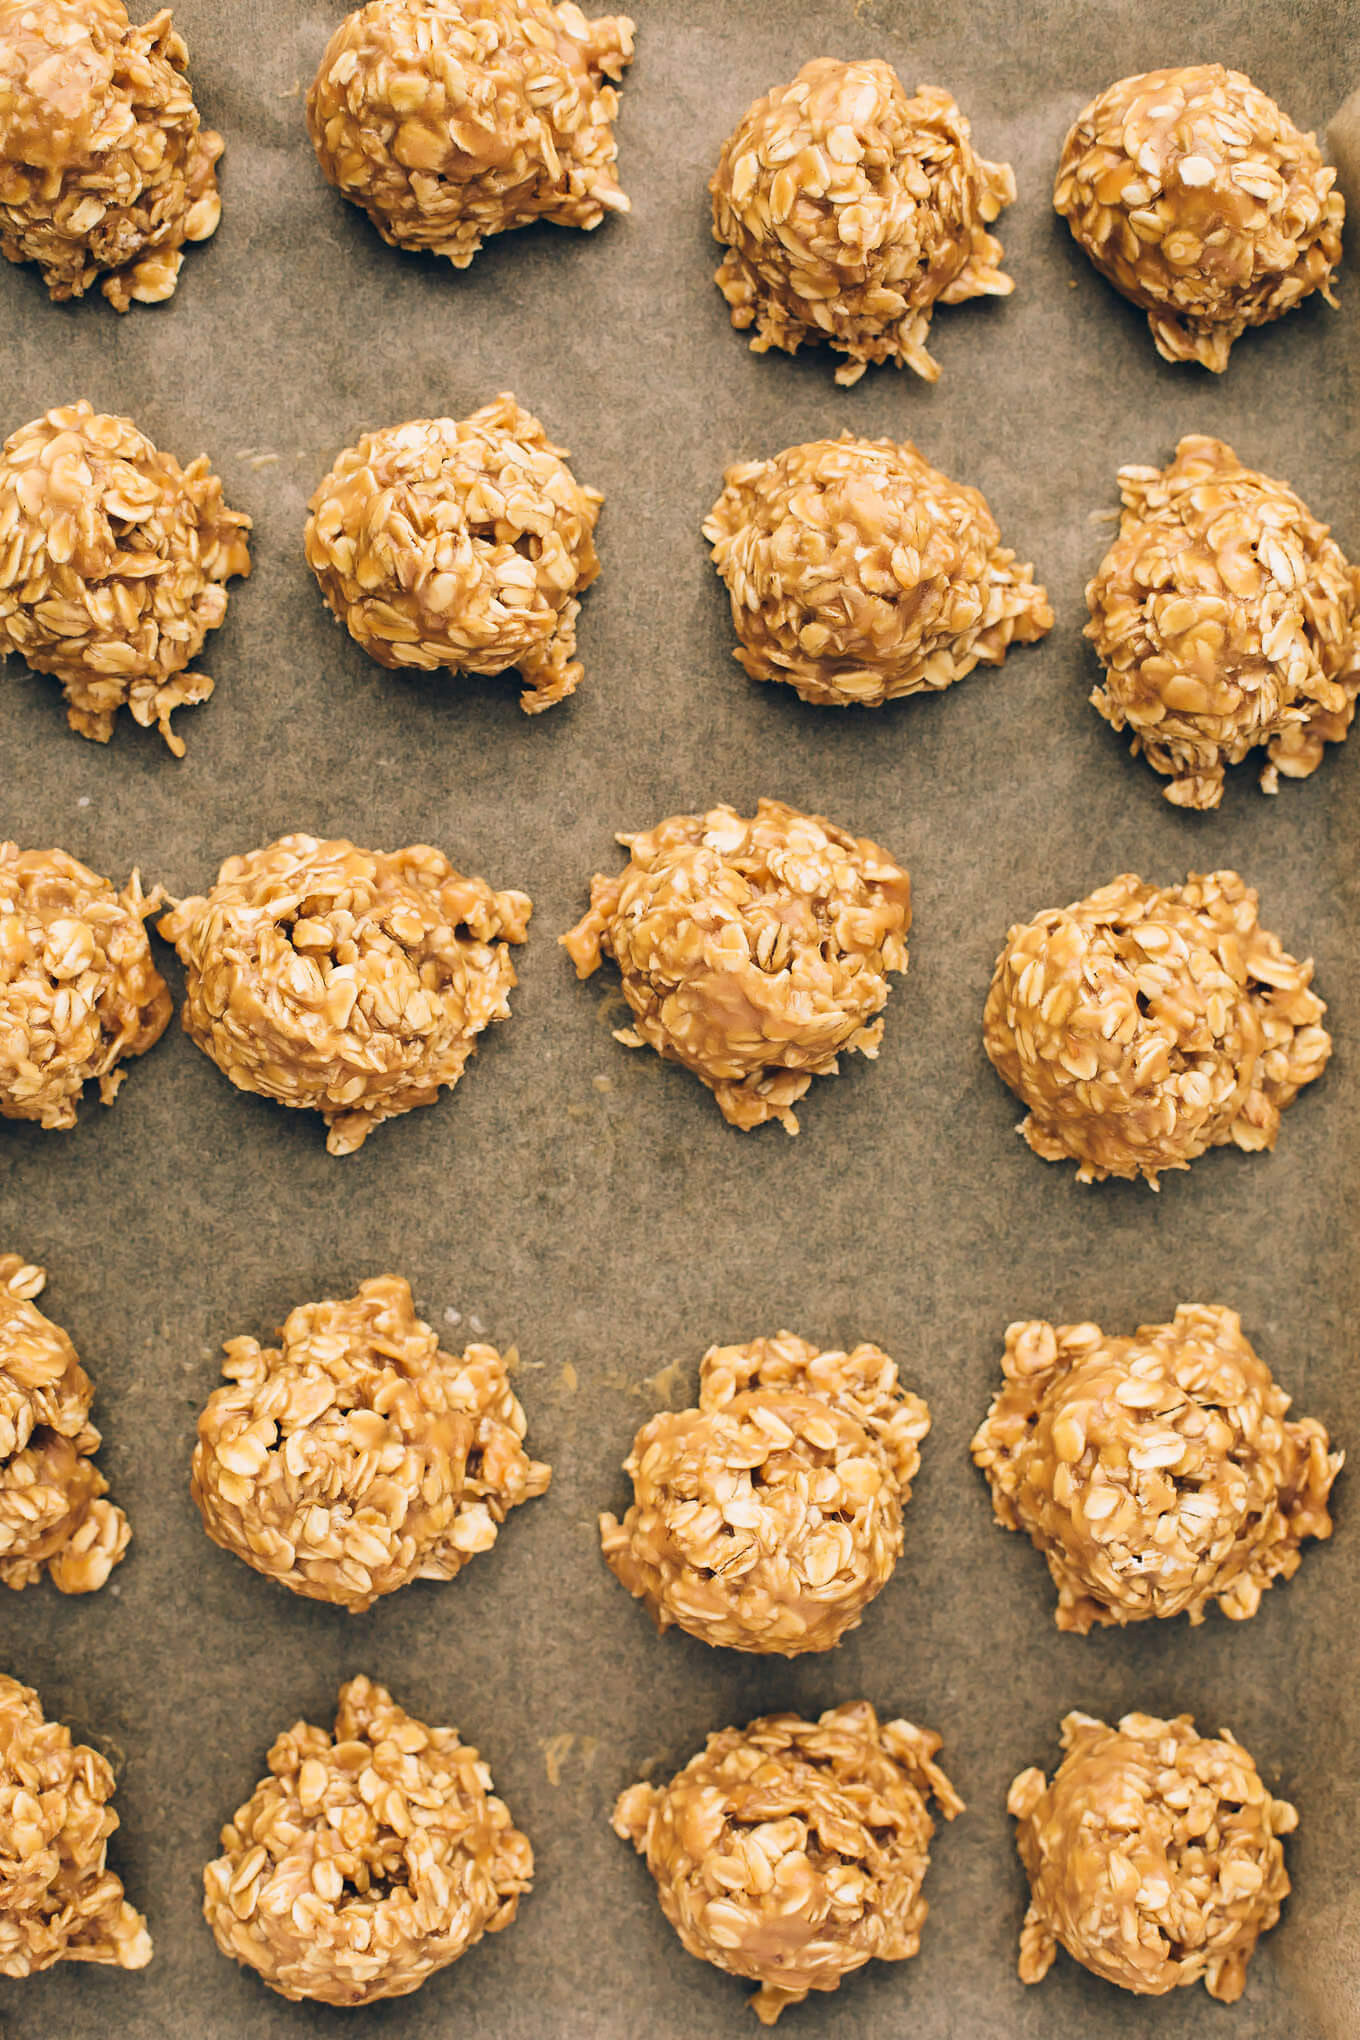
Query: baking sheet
x=588 y=1203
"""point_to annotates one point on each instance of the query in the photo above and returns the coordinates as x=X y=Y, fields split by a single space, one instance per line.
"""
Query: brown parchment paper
x=590 y=1204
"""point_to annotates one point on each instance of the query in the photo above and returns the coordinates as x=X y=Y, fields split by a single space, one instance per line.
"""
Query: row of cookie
x=1157 y=1473
x=1225 y=616
x=1140 y=1026
x=848 y=210
x=788 y=1852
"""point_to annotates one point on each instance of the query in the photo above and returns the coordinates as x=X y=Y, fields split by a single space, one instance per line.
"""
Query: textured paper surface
x=590 y=1204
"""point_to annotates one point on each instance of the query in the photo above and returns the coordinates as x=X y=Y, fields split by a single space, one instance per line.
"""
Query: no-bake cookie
x=849 y=210
x=1156 y=1473
x=754 y=950
x=1201 y=201
x=769 y=1517
x=1145 y=1024
x=1153 y=1856
x=349 y=982
x=792 y=1852
x=447 y=121
x=356 y=1456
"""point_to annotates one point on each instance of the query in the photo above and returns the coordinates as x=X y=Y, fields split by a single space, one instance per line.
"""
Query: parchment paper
x=590 y=1204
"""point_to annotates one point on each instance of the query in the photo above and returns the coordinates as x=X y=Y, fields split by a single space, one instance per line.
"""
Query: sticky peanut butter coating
x=367 y=1860
x=349 y=982
x=1226 y=618
x=356 y=1456
x=849 y=210
x=463 y=543
x=448 y=121
x=53 y=1514
x=105 y=169
x=792 y=1852
x=858 y=572
x=114 y=563
x=79 y=992
x=1199 y=199
x=769 y=1517
x=1156 y=1473
x=1153 y=1856
x=59 y=1901
x=1145 y=1024
x=754 y=950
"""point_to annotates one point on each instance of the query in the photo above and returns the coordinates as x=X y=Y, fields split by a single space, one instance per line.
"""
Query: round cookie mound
x=1153 y=1856
x=1156 y=1473
x=792 y=1852
x=769 y=1517
x=348 y=982
x=53 y=1515
x=115 y=566
x=104 y=167
x=1226 y=617
x=356 y=1456
x=1200 y=200
x=849 y=211
x=447 y=121
x=1144 y=1024
x=858 y=572
x=367 y=1860
x=461 y=543
x=752 y=950
x=58 y=1899
x=78 y=989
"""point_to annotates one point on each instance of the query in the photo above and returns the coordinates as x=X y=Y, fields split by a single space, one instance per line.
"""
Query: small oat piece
x=858 y=572
x=356 y=1456
x=105 y=171
x=849 y=211
x=752 y=950
x=1156 y=1473
x=792 y=1852
x=464 y=543
x=768 y=1518
x=1200 y=200
x=367 y=1860
x=349 y=982
x=78 y=988
x=1144 y=1025
x=1225 y=617
x=114 y=562
x=448 y=121
x=59 y=1901
x=1153 y=1856
x=52 y=1509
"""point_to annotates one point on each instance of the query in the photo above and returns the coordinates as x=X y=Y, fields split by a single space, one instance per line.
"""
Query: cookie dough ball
x=59 y=1901
x=105 y=170
x=349 y=982
x=1200 y=200
x=752 y=950
x=461 y=543
x=1146 y=1024
x=367 y=1860
x=1156 y=1473
x=1153 y=1856
x=53 y=1514
x=858 y=572
x=356 y=1456
x=849 y=211
x=770 y=1517
x=114 y=562
x=451 y=120
x=78 y=989
x=1226 y=617
x=792 y=1852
